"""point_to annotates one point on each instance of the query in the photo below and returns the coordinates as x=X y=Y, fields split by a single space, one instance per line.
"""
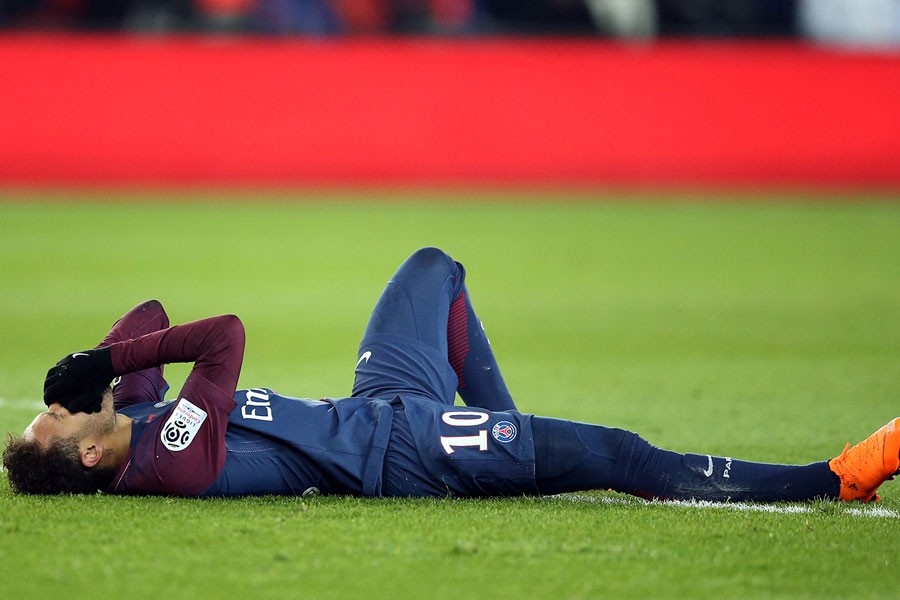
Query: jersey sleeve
x=183 y=452
x=146 y=385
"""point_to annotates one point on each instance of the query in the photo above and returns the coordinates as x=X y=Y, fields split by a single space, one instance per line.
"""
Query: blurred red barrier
x=95 y=110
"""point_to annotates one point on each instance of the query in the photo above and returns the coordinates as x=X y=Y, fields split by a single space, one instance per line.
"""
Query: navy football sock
x=573 y=456
x=654 y=473
x=469 y=353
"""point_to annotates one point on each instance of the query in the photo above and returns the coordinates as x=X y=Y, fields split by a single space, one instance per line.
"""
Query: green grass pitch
x=759 y=329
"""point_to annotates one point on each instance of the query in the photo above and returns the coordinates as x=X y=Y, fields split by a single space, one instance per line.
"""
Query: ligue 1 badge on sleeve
x=504 y=432
x=182 y=426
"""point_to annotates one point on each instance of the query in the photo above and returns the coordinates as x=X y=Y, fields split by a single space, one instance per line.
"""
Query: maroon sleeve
x=214 y=345
x=146 y=385
x=146 y=317
x=183 y=452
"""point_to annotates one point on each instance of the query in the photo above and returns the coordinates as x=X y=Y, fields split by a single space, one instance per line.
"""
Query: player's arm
x=188 y=463
x=188 y=447
x=215 y=346
x=145 y=385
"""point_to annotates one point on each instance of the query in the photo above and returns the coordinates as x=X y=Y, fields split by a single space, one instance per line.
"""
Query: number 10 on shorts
x=464 y=419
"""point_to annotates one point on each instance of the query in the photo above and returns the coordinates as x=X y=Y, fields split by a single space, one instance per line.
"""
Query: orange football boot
x=868 y=464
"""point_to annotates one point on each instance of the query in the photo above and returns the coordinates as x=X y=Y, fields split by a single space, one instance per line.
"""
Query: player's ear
x=91 y=455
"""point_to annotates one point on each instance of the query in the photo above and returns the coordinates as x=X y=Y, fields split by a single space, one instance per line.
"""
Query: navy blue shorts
x=440 y=450
x=435 y=448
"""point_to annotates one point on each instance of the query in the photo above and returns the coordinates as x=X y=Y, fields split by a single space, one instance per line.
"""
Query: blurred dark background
x=871 y=22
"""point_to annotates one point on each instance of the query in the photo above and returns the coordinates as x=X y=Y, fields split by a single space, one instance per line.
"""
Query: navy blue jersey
x=281 y=445
x=278 y=445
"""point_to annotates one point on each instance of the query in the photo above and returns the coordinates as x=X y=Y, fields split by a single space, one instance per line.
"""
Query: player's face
x=58 y=422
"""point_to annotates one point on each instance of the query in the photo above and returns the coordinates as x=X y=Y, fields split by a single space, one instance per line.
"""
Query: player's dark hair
x=57 y=469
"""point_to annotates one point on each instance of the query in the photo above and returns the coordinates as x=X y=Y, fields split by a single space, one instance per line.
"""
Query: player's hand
x=77 y=381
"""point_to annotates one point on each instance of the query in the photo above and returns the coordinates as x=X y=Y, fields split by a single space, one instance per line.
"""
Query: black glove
x=78 y=380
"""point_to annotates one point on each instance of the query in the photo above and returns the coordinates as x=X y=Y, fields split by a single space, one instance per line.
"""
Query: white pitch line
x=26 y=403
x=739 y=506
x=874 y=511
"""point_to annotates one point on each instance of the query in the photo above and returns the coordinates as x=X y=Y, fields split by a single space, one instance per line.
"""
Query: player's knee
x=423 y=277
x=432 y=259
x=430 y=254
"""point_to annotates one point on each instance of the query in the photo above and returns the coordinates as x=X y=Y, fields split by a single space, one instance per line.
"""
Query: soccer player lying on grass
x=398 y=434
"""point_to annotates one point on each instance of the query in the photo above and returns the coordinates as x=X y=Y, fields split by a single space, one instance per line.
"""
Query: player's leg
x=404 y=347
x=572 y=456
x=480 y=383
x=423 y=336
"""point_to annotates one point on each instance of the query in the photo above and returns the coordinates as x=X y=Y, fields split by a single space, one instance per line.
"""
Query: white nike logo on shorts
x=365 y=357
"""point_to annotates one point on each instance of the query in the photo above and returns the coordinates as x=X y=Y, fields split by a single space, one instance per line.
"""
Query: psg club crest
x=504 y=432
